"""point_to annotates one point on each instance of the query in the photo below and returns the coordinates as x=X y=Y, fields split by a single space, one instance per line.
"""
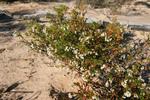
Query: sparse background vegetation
x=10 y=1
x=104 y=3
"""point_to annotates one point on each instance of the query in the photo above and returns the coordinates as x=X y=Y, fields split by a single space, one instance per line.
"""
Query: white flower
x=57 y=61
x=68 y=70
x=49 y=53
x=93 y=97
x=83 y=33
x=69 y=95
x=142 y=68
x=140 y=78
x=93 y=74
x=136 y=46
x=75 y=51
x=68 y=27
x=89 y=52
x=112 y=90
x=88 y=37
x=121 y=30
x=50 y=47
x=96 y=54
x=84 y=54
x=130 y=74
x=107 y=84
x=98 y=30
x=55 y=40
x=145 y=60
x=123 y=97
x=127 y=94
x=118 y=69
x=135 y=96
x=132 y=44
x=47 y=49
x=77 y=56
x=122 y=69
x=89 y=73
x=126 y=26
x=104 y=66
x=33 y=28
x=74 y=63
x=124 y=83
x=81 y=69
x=72 y=87
x=80 y=38
x=108 y=40
x=54 y=66
x=81 y=56
x=14 y=35
x=129 y=71
x=83 y=75
x=66 y=48
x=110 y=80
x=83 y=78
x=44 y=30
x=144 y=84
x=75 y=32
x=32 y=46
x=103 y=34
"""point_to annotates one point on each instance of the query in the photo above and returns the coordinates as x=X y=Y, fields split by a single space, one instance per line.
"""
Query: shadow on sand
x=8 y=27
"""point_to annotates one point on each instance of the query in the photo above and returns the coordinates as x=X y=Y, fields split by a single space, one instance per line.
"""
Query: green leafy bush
x=108 y=69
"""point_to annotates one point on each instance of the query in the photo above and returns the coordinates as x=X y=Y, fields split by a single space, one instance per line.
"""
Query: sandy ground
x=30 y=75
x=35 y=76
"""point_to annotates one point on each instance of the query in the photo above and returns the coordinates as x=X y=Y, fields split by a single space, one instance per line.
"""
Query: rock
x=2 y=50
x=3 y=11
x=142 y=3
x=137 y=25
x=132 y=25
x=37 y=15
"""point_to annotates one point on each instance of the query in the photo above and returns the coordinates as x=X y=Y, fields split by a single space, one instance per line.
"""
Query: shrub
x=108 y=69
